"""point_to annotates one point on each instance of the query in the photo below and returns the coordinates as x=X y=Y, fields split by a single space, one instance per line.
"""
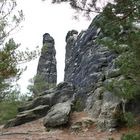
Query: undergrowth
x=8 y=110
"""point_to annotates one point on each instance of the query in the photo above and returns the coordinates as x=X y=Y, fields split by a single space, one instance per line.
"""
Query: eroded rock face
x=28 y=115
x=89 y=66
x=57 y=101
x=86 y=61
x=46 y=70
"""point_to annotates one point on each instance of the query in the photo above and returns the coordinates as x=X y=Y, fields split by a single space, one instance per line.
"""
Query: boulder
x=58 y=115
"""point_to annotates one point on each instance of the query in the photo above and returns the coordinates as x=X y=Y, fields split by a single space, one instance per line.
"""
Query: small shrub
x=131 y=136
x=77 y=106
x=10 y=104
x=129 y=119
x=38 y=84
x=8 y=110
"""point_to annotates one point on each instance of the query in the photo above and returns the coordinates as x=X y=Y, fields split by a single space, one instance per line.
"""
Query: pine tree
x=10 y=56
x=119 y=23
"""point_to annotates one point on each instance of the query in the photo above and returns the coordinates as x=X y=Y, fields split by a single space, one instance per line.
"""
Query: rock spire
x=46 y=70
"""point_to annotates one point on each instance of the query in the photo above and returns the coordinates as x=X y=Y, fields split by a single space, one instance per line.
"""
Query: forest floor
x=36 y=131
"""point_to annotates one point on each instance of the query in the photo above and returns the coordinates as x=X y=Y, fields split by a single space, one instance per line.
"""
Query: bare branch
x=9 y=12
x=2 y=6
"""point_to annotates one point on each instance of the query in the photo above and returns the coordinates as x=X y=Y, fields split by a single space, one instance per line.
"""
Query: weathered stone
x=89 y=67
x=58 y=115
x=64 y=92
x=86 y=62
x=82 y=124
x=96 y=109
x=46 y=70
x=71 y=34
x=28 y=116
x=113 y=73
x=94 y=102
x=110 y=108
x=40 y=100
x=52 y=100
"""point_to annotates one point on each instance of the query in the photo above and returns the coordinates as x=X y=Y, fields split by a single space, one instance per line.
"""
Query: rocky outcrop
x=54 y=104
x=89 y=67
x=86 y=62
x=46 y=71
x=28 y=115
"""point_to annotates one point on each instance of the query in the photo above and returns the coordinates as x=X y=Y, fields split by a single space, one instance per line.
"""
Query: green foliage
x=9 y=106
x=117 y=23
x=129 y=119
x=9 y=60
x=77 y=105
x=45 y=48
x=10 y=56
x=131 y=136
x=123 y=88
x=8 y=67
x=120 y=34
x=39 y=84
x=8 y=110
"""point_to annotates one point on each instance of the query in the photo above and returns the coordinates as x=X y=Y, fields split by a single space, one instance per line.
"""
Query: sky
x=44 y=17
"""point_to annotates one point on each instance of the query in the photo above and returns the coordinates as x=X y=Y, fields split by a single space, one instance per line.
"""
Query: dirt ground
x=36 y=131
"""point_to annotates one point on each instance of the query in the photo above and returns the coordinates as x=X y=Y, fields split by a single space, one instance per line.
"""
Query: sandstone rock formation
x=89 y=68
x=46 y=70
x=57 y=101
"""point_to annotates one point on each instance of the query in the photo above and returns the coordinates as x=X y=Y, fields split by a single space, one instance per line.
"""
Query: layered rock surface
x=55 y=104
x=46 y=70
x=89 y=67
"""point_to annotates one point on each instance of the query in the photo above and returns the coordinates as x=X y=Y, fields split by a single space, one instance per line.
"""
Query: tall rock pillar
x=46 y=71
x=70 y=42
